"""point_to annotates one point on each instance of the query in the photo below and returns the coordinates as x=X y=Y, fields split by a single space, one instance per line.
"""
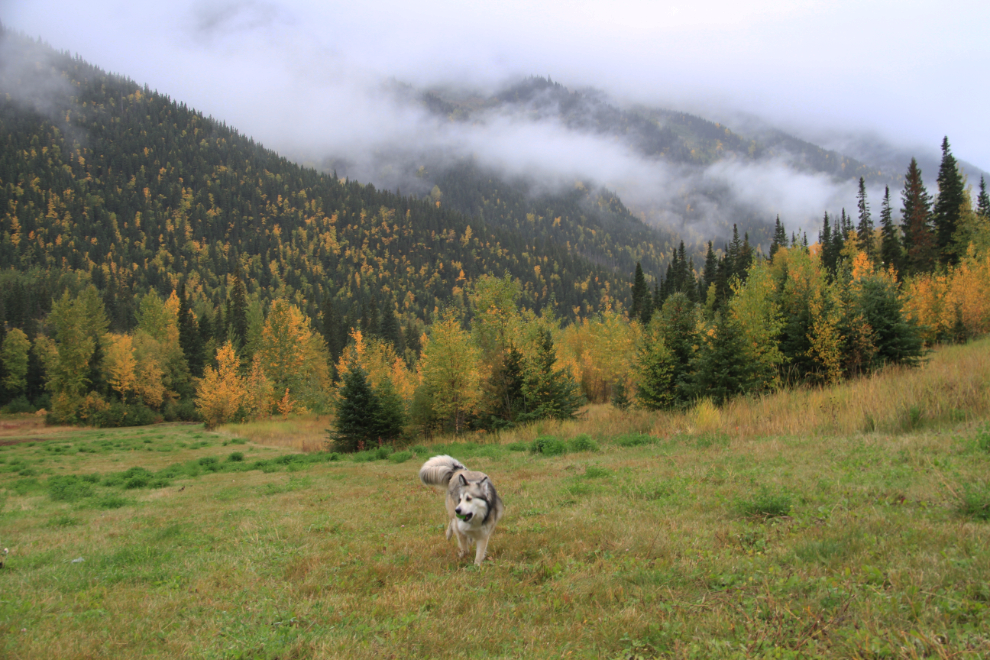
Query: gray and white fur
x=473 y=506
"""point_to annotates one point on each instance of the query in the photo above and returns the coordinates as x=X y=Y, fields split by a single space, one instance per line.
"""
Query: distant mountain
x=693 y=178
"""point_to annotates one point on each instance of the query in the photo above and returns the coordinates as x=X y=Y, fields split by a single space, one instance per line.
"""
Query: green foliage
x=634 y=440
x=722 y=368
x=975 y=501
x=548 y=392
x=765 y=503
x=69 y=488
x=656 y=369
x=548 y=446
x=365 y=418
x=583 y=442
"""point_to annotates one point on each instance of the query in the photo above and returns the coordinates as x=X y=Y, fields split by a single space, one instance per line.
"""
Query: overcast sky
x=299 y=74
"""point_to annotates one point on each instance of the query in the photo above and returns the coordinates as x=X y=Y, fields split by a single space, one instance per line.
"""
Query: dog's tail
x=438 y=470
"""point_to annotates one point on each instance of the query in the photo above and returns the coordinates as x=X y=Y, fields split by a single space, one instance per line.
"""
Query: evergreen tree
x=391 y=332
x=678 y=320
x=334 y=330
x=896 y=338
x=891 y=252
x=780 y=236
x=189 y=340
x=983 y=201
x=919 y=238
x=945 y=213
x=237 y=313
x=864 y=230
x=620 y=400
x=640 y=295
x=829 y=256
x=391 y=413
x=721 y=369
x=359 y=413
x=710 y=271
x=548 y=392
x=656 y=369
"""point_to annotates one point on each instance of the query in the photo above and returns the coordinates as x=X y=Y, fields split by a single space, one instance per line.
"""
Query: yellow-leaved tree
x=450 y=372
x=221 y=391
x=294 y=358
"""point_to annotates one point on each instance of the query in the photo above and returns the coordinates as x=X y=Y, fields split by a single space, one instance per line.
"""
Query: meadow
x=833 y=523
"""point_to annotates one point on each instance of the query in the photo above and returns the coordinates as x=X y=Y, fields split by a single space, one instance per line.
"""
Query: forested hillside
x=106 y=182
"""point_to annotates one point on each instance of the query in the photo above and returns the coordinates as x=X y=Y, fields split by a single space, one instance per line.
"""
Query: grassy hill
x=847 y=522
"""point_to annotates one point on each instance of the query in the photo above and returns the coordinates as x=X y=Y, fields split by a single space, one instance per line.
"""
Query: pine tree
x=189 y=339
x=891 y=252
x=983 y=201
x=864 y=230
x=721 y=368
x=829 y=256
x=391 y=332
x=391 y=417
x=780 y=236
x=237 y=312
x=919 y=238
x=547 y=391
x=620 y=400
x=656 y=369
x=945 y=212
x=358 y=411
x=640 y=295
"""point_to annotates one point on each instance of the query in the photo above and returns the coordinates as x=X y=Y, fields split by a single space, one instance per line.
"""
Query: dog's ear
x=483 y=480
x=464 y=481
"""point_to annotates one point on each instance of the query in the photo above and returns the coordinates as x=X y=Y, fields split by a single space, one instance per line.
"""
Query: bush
x=583 y=442
x=235 y=457
x=117 y=414
x=18 y=405
x=183 y=410
x=69 y=488
x=548 y=446
x=400 y=456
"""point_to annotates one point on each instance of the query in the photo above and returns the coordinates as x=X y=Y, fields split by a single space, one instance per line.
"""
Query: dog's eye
x=467 y=499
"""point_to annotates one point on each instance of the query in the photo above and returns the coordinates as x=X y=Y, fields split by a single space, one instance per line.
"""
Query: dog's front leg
x=479 y=555
x=463 y=543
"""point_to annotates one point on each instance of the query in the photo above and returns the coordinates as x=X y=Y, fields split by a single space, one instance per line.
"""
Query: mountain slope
x=114 y=184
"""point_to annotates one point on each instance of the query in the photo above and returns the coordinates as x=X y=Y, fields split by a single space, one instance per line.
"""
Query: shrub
x=235 y=457
x=400 y=456
x=69 y=488
x=548 y=446
x=583 y=442
x=18 y=405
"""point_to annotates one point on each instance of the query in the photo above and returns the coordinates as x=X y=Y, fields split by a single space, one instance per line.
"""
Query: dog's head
x=474 y=499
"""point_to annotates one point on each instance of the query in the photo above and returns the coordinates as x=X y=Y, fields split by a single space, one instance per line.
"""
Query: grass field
x=821 y=523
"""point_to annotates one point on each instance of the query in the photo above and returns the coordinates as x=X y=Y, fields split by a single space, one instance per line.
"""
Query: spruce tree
x=237 y=312
x=640 y=295
x=656 y=369
x=945 y=212
x=891 y=252
x=919 y=237
x=359 y=413
x=189 y=338
x=864 y=230
x=548 y=392
x=721 y=368
x=780 y=236
x=829 y=256
x=983 y=201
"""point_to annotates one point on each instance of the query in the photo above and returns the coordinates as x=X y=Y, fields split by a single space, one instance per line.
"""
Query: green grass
x=697 y=544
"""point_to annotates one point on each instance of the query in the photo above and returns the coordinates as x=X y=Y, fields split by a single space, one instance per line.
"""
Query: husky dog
x=473 y=506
